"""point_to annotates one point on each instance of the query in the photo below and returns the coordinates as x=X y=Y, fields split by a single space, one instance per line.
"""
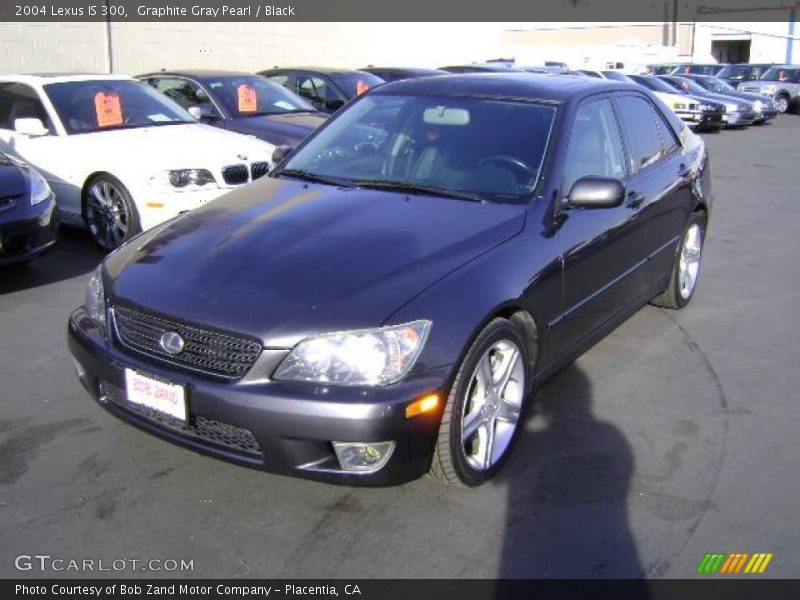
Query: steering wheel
x=515 y=164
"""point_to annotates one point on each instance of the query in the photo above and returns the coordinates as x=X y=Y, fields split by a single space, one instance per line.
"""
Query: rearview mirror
x=280 y=153
x=596 y=192
x=30 y=126
x=201 y=112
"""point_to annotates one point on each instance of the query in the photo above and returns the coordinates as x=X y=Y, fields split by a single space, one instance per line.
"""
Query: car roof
x=45 y=78
x=198 y=73
x=370 y=69
x=554 y=88
x=324 y=70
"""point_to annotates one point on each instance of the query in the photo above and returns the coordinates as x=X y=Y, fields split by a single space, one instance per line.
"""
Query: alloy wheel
x=689 y=262
x=107 y=214
x=493 y=404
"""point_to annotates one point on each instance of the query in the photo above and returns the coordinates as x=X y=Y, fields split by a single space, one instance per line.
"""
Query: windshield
x=355 y=83
x=99 y=105
x=738 y=72
x=487 y=149
x=687 y=85
x=655 y=84
x=717 y=85
x=780 y=74
x=248 y=96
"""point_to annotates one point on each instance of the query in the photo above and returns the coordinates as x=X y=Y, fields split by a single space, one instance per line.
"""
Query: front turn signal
x=425 y=404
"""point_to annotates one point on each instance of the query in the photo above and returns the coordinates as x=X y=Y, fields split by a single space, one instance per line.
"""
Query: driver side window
x=19 y=101
x=184 y=92
x=595 y=146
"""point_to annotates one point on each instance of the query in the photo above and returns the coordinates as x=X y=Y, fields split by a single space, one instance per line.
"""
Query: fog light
x=365 y=457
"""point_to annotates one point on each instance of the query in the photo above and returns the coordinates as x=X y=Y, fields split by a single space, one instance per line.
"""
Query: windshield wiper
x=402 y=186
x=308 y=176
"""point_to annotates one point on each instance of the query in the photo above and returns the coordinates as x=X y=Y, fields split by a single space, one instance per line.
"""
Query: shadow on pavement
x=567 y=482
x=74 y=254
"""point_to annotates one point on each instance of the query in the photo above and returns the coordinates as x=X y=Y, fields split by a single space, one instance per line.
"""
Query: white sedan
x=119 y=156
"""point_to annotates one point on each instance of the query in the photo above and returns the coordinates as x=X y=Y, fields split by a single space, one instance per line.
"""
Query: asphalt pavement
x=675 y=436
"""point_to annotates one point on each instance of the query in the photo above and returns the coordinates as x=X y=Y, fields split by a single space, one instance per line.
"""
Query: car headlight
x=379 y=356
x=95 y=298
x=40 y=190
x=731 y=107
x=758 y=106
x=182 y=178
x=679 y=106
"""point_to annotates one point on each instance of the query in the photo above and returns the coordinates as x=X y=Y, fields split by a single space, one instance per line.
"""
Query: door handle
x=635 y=199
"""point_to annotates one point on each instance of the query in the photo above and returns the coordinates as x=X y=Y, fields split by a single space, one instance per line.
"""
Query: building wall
x=35 y=47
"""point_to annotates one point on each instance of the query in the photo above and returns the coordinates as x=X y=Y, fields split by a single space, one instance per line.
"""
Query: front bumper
x=274 y=426
x=766 y=115
x=156 y=207
x=707 y=120
x=25 y=236
x=740 y=119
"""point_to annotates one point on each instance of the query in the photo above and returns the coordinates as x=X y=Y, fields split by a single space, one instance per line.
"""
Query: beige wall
x=30 y=47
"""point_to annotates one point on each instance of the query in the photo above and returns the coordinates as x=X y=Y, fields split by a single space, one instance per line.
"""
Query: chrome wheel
x=689 y=261
x=782 y=103
x=107 y=214
x=492 y=406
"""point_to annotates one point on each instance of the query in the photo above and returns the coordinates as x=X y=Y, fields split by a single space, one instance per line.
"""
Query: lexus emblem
x=242 y=156
x=171 y=342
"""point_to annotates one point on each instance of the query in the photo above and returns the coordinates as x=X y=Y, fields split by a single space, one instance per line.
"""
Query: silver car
x=781 y=82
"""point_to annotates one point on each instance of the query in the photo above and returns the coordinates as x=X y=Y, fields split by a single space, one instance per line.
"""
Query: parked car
x=241 y=102
x=592 y=73
x=698 y=113
x=372 y=313
x=327 y=89
x=763 y=106
x=28 y=213
x=696 y=69
x=736 y=74
x=738 y=112
x=399 y=73
x=781 y=82
x=483 y=68
x=119 y=156
x=660 y=69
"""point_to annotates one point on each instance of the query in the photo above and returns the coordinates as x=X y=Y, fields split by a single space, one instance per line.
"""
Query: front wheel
x=782 y=103
x=686 y=270
x=482 y=415
x=109 y=212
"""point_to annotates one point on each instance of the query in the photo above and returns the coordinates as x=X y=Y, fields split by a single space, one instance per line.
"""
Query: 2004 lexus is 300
x=387 y=301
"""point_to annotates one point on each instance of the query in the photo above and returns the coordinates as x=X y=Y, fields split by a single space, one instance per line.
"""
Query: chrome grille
x=235 y=174
x=210 y=352
x=198 y=427
x=258 y=169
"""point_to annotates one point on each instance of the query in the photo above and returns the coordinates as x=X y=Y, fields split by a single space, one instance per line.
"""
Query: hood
x=189 y=145
x=672 y=99
x=750 y=97
x=287 y=129
x=282 y=259
x=13 y=182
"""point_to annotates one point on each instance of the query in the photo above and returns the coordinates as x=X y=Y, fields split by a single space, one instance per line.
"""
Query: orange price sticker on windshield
x=108 y=109
x=247 y=98
x=361 y=87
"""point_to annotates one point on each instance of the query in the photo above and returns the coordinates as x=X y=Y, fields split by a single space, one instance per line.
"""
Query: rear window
x=640 y=122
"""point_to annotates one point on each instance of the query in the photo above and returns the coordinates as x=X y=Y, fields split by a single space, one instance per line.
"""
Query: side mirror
x=334 y=104
x=30 y=126
x=280 y=153
x=596 y=192
x=201 y=112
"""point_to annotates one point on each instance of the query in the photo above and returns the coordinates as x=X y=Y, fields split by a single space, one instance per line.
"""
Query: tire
x=783 y=103
x=686 y=270
x=109 y=212
x=500 y=346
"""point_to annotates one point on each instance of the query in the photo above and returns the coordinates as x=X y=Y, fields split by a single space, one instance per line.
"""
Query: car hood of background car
x=281 y=259
x=285 y=129
x=12 y=181
x=182 y=146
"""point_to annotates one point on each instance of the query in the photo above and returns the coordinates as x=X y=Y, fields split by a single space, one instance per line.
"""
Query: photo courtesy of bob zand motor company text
x=366 y=299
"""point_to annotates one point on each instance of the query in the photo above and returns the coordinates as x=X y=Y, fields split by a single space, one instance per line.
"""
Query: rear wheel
x=686 y=270
x=109 y=212
x=782 y=103
x=482 y=415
